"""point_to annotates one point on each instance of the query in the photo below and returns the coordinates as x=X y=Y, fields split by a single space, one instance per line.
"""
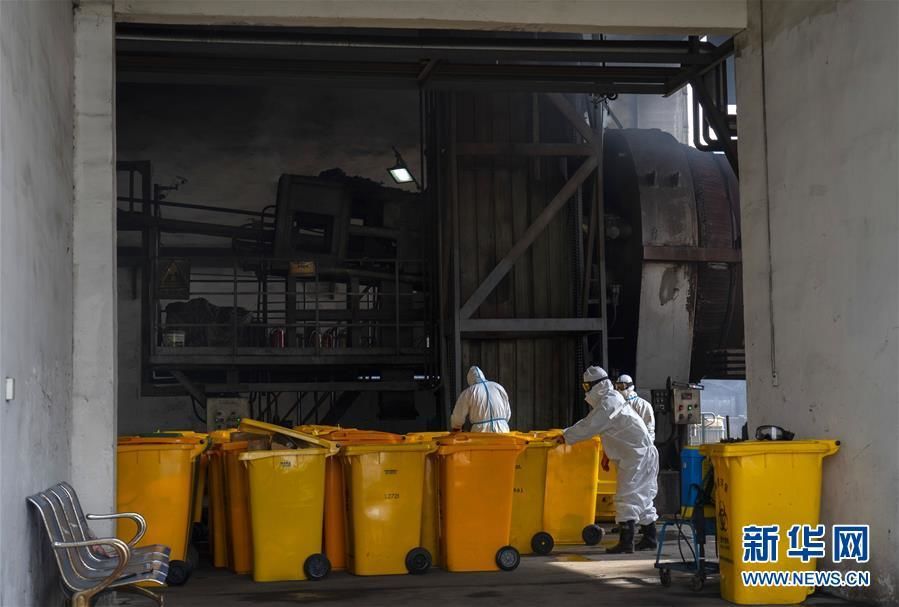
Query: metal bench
x=89 y=565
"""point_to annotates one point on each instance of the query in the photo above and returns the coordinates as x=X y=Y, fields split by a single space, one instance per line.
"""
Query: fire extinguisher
x=276 y=338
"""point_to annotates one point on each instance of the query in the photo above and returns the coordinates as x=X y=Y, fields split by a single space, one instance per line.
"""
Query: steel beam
x=719 y=122
x=681 y=254
x=577 y=121
x=335 y=386
x=191 y=388
x=524 y=149
x=500 y=76
x=527 y=239
x=525 y=326
x=168 y=360
x=135 y=38
x=721 y=53
x=126 y=221
x=338 y=409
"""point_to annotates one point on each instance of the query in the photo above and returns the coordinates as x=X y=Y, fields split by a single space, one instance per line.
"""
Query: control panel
x=661 y=400
x=222 y=413
x=686 y=405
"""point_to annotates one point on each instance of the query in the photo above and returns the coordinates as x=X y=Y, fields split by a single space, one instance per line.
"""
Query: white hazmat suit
x=639 y=405
x=625 y=441
x=484 y=403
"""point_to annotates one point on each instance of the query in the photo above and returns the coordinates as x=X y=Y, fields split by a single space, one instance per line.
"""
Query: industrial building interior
x=309 y=215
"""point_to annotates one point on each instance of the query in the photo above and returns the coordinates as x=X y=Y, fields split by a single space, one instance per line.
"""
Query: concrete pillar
x=818 y=91
x=94 y=248
x=35 y=285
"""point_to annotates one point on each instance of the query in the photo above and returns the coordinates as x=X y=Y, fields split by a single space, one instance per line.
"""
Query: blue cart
x=697 y=491
x=692 y=562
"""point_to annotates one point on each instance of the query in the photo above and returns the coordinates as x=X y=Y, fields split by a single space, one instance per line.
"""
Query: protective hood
x=475 y=376
x=605 y=396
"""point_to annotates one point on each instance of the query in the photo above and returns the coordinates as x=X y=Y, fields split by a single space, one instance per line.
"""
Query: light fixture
x=400 y=171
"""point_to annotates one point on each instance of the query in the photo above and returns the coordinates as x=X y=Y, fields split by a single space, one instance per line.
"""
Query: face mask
x=593 y=398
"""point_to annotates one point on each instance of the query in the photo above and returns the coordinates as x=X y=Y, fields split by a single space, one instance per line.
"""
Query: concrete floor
x=571 y=576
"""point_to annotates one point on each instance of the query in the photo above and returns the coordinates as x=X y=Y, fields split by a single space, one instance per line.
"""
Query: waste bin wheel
x=697 y=582
x=592 y=534
x=542 y=543
x=317 y=567
x=508 y=558
x=199 y=532
x=418 y=561
x=179 y=573
x=193 y=557
x=665 y=576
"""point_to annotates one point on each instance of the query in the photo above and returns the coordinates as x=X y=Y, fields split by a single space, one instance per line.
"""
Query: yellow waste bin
x=606 y=487
x=155 y=477
x=384 y=507
x=477 y=478
x=335 y=500
x=287 y=486
x=763 y=483
x=335 y=489
x=218 y=528
x=527 y=534
x=237 y=507
x=215 y=482
x=287 y=503
x=569 y=507
x=430 y=514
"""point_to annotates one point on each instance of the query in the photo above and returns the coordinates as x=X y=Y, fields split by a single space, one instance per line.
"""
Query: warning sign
x=174 y=279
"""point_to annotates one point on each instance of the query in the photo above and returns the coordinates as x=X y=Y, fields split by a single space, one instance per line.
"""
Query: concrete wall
x=818 y=171
x=36 y=67
x=581 y=16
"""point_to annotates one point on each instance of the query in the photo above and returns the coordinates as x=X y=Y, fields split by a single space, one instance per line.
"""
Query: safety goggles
x=588 y=385
x=773 y=433
x=621 y=387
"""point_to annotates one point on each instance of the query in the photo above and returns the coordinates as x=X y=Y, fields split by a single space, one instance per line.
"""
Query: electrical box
x=222 y=413
x=686 y=404
x=661 y=400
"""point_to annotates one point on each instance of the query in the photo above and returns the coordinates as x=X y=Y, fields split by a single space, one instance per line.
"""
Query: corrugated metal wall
x=499 y=197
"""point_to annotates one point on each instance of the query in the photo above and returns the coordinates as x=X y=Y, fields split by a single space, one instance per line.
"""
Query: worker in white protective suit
x=625 y=386
x=626 y=441
x=484 y=403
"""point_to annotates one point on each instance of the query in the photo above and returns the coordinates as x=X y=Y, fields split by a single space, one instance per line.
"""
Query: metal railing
x=365 y=304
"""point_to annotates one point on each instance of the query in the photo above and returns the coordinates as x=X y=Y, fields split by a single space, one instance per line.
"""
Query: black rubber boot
x=625 y=543
x=649 y=541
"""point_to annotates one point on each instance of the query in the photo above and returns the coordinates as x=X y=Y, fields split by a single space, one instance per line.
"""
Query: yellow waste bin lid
x=132 y=447
x=767 y=447
x=480 y=441
x=403 y=447
x=193 y=441
x=250 y=456
x=257 y=427
x=430 y=435
x=364 y=437
x=217 y=437
x=535 y=439
x=317 y=429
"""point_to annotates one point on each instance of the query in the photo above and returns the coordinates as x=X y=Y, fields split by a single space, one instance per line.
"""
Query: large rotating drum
x=673 y=259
